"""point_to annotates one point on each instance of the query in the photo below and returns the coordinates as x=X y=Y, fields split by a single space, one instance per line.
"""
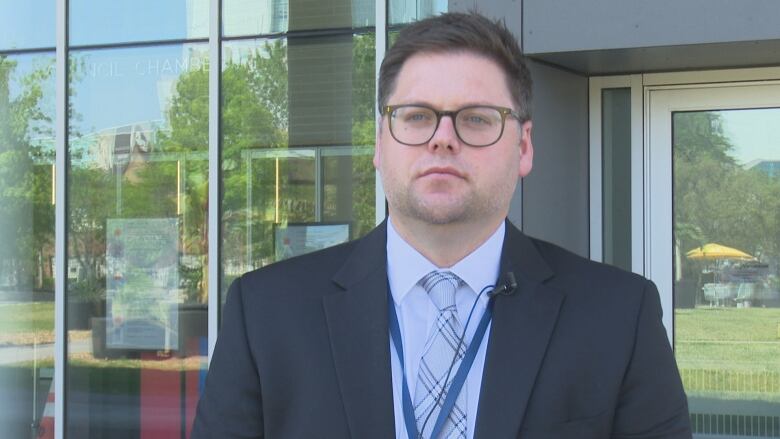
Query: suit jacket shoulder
x=591 y=338
x=569 y=265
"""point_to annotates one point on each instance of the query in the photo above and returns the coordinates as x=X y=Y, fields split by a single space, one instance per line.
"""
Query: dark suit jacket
x=578 y=351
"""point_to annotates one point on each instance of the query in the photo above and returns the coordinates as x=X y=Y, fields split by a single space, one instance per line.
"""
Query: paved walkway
x=28 y=353
x=13 y=296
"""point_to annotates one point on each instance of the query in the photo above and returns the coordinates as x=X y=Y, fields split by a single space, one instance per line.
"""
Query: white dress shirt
x=417 y=313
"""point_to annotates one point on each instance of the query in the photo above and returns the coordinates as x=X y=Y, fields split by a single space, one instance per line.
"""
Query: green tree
x=27 y=218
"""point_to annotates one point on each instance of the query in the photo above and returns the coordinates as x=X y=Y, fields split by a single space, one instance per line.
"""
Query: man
x=376 y=338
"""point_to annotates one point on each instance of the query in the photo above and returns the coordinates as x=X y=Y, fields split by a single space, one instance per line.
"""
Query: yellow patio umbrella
x=717 y=251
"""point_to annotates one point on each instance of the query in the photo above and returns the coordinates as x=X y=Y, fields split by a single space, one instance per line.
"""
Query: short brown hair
x=459 y=32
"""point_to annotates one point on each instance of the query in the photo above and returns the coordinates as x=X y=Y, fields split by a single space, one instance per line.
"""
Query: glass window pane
x=407 y=11
x=101 y=22
x=27 y=24
x=727 y=268
x=298 y=134
x=27 y=249
x=242 y=17
x=137 y=240
x=616 y=174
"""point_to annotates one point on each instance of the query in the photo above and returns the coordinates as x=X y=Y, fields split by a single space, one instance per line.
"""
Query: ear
x=526 y=149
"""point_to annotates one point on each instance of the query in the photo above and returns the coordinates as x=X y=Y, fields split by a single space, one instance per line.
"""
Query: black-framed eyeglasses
x=475 y=125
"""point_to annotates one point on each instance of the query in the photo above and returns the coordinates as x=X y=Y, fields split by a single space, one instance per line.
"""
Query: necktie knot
x=441 y=287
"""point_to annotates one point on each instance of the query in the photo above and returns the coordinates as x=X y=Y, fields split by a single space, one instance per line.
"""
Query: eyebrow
x=467 y=104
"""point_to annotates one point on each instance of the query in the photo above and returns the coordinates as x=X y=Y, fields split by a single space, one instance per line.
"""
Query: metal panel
x=667 y=58
x=60 y=248
x=637 y=181
x=711 y=76
x=570 y=25
x=596 y=178
x=617 y=37
x=555 y=194
x=381 y=46
x=597 y=84
x=214 y=175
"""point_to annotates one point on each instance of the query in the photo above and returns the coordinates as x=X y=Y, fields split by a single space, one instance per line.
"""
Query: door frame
x=651 y=196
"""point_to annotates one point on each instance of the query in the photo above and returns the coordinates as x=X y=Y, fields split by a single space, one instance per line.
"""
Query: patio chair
x=746 y=294
x=710 y=293
x=724 y=293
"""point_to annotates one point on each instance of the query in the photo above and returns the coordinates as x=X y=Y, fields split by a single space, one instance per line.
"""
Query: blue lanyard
x=457 y=382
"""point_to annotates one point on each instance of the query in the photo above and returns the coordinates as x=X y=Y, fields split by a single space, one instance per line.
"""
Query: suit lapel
x=520 y=332
x=358 y=329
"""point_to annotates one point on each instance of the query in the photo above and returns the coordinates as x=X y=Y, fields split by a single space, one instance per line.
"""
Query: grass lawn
x=729 y=350
x=734 y=324
x=26 y=317
x=734 y=351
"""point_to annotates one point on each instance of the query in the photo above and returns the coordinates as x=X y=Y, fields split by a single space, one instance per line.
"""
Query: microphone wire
x=444 y=386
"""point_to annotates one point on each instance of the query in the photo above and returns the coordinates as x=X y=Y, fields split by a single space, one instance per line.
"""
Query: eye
x=416 y=115
x=478 y=117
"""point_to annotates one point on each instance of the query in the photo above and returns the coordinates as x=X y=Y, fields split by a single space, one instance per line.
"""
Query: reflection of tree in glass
x=254 y=116
x=716 y=198
x=26 y=158
x=363 y=132
x=174 y=182
x=159 y=178
x=91 y=199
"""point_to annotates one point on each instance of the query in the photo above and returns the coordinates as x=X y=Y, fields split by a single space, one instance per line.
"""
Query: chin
x=442 y=215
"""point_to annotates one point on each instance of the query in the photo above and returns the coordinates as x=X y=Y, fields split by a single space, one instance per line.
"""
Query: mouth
x=441 y=172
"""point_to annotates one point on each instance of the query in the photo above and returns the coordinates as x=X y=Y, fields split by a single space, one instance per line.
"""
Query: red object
x=160 y=402
x=192 y=383
x=46 y=426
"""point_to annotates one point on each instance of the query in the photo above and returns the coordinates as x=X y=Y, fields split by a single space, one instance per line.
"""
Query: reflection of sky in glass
x=262 y=17
x=123 y=86
x=254 y=17
x=103 y=22
x=27 y=24
x=755 y=133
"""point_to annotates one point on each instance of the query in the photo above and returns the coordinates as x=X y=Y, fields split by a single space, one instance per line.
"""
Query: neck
x=444 y=244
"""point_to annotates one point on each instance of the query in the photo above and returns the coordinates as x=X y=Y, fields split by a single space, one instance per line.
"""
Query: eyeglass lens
x=476 y=126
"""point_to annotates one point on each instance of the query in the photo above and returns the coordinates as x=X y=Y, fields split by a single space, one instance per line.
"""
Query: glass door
x=712 y=191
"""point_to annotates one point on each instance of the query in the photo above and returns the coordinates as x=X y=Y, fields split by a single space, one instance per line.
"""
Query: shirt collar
x=406 y=266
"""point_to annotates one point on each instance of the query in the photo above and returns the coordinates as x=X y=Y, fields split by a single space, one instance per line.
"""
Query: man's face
x=446 y=181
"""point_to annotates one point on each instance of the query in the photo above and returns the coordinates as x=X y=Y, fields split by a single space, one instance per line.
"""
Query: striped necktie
x=437 y=358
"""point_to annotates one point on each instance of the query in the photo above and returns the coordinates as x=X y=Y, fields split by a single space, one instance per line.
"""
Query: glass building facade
x=179 y=174
x=152 y=152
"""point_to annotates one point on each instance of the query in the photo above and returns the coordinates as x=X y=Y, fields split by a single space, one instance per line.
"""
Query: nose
x=445 y=138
